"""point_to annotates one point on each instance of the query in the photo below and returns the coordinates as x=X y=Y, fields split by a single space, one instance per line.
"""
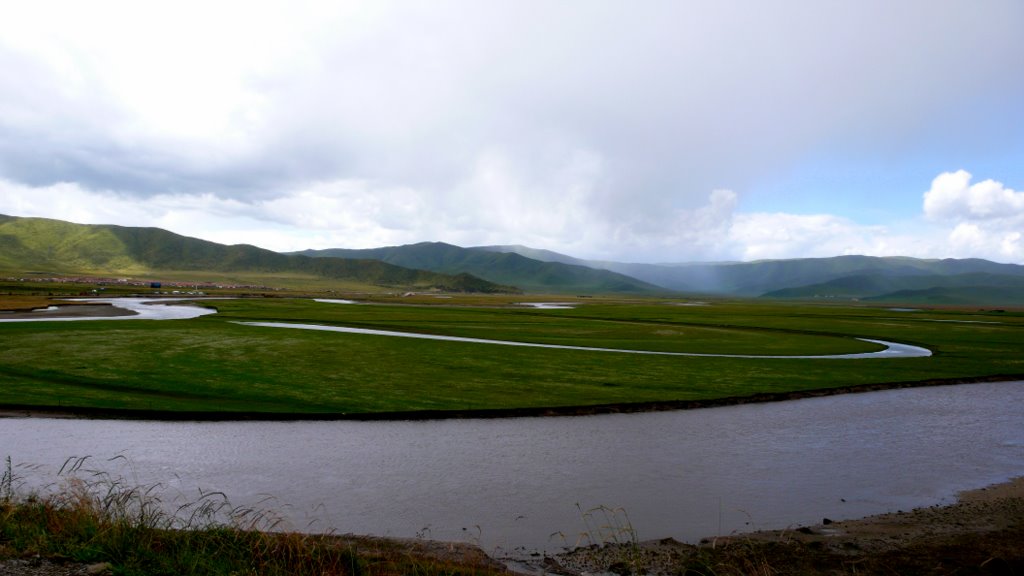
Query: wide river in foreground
x=518 y=485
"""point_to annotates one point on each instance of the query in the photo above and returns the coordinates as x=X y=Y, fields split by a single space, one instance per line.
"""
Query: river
x=518 y=485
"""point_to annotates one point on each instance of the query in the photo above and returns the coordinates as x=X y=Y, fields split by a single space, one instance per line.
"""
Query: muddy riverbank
x=982 y=533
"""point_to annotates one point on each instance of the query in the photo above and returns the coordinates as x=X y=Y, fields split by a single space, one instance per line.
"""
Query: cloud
x=666 y=233
x=335 y=214
x=987 y=217
x=675 y=97
x=953 y=197
x=610 y=131
x=771 y=236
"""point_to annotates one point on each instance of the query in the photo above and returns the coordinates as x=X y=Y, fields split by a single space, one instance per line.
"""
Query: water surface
x=521 y=484
x=890 y=350
x=140 y=308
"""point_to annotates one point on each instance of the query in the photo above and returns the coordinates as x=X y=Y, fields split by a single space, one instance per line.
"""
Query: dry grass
x=93 y=517
x=22 y=303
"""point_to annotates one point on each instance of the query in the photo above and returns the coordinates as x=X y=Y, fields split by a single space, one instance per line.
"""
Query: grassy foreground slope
x=213 y=364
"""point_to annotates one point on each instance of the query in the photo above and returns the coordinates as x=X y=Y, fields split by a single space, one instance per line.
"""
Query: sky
x=650 y=131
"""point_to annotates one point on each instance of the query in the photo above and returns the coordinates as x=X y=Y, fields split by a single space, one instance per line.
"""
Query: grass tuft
x=91 y=516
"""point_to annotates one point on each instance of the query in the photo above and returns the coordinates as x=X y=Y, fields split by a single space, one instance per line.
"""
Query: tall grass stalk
x=612 y=527
x=7 y=482
x=93 y=516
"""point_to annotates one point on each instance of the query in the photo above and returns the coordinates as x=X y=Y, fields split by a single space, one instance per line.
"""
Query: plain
x=214 y=364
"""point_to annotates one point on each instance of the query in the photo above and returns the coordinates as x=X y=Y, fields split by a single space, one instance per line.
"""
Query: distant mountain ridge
x=865 y=285
x=41 y=244
x=500 y=267
x=45 y=245
x=895 y=278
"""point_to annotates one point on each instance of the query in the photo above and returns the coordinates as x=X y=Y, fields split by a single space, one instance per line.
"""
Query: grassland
x=214 y=365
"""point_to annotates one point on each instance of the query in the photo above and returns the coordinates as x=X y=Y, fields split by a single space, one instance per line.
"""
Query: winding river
x=166 y=309
x=518 y=485
x=891 y=350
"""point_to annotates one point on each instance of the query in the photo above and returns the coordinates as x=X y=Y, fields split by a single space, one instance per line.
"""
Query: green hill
x=537 y=254
x=955 y=296
x=760 y=277
x=63 y=248
x=500 y=267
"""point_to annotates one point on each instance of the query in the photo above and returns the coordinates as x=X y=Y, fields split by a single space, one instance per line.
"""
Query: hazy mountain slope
x=863 y=274
x=499 y=267
x=536 y=254
x=756 y=278
x=737 y=278
x=54 y=246
x=663 y=276
x=955 y=296
x=878 y=285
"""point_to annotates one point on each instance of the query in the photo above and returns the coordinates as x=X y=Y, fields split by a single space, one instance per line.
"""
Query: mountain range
x=58 y=247
x=530 y=274
x=55 y=247
x=883 y=279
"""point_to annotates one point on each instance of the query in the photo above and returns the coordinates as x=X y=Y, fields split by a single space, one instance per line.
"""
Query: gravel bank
x=983 y=533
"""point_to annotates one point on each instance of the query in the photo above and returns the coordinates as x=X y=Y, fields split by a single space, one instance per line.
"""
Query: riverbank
x=982 y=533
x=68 y=310
x=43 y=411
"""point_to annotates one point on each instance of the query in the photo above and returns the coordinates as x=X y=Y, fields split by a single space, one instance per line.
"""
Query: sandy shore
x=982 y=533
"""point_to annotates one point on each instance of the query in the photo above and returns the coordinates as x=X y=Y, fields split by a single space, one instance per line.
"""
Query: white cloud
x=345 y=205
x=552 y=198
x=323 y=215
x=772 y=236
x=975 y=240
x=953 y=197
x=987 y=217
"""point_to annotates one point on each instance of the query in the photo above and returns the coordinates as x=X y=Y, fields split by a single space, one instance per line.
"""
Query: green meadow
x=214 y=364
